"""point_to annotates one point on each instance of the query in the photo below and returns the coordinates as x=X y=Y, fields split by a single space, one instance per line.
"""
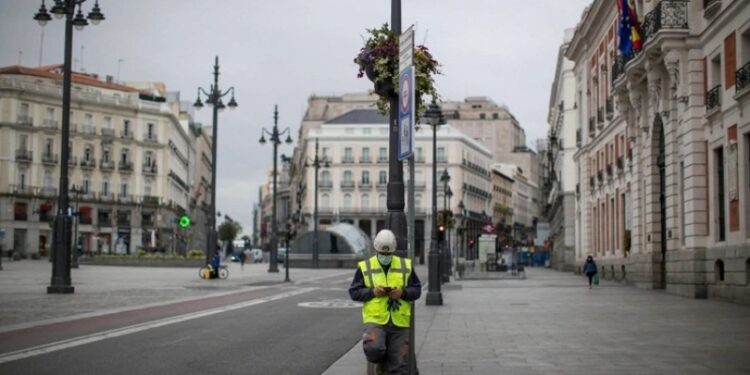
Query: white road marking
x=83 y=340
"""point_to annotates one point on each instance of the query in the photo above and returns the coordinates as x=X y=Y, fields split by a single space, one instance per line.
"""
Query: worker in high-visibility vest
x=386 y=283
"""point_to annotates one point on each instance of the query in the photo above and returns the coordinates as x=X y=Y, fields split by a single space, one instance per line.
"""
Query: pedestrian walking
x=386 y=283
x=589 y=268
x=215 y=264
x=243 y=256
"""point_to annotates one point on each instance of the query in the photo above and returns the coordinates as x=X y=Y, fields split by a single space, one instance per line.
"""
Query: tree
x=228 y=230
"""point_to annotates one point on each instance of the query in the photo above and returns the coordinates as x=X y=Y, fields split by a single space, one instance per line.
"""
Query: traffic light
x=184 y=221
x=441 y=233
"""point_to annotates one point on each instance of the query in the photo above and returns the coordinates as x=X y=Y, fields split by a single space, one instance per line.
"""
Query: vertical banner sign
x=406 y=91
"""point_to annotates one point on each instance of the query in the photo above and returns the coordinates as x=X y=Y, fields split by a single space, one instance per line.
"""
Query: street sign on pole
x=406 y=97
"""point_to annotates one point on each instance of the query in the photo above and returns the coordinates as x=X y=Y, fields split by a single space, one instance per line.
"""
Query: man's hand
x=378 y=291
x=396 y=293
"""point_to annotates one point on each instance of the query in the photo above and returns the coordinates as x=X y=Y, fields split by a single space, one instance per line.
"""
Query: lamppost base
x=60 y=289
x=434 y=299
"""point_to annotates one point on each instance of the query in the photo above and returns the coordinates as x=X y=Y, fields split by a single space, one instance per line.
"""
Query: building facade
x=559 y=176
x=664 y=174
x=502 y=207
x=129 y=161
x=353 y=188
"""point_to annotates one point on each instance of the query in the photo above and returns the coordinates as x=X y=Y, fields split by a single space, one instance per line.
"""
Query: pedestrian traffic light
x=184 y=221
x=441 y=233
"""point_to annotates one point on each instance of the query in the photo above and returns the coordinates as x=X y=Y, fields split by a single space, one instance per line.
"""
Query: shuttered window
x=730 y=60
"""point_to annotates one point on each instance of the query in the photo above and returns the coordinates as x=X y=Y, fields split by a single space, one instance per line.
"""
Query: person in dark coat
x=589 y=268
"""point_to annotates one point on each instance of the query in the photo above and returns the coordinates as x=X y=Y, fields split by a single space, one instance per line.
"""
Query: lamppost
x=275 y=137
x=434 y=117
x=448 y=253
x=77 y=190
x=444 y=247
x=60 y=282
x=462 y=235
x=316 y=163
x=213 y=98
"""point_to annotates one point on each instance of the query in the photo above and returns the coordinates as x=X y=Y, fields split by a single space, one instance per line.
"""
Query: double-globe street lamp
x=316 y=163
x=434 y=117
x=60 y=282
x=445 y=261
x=213 y=98
x=275 y=138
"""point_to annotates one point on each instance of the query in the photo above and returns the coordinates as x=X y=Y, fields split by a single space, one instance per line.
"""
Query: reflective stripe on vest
x=376 y=310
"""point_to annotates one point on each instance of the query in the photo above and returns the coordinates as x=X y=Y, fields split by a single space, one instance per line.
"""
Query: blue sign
x=406 y=110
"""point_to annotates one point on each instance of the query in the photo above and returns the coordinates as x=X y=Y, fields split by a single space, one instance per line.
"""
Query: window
x=347 y=200
x=417 y=201
x=720 y=197
x=124 y=189
x=420 y=153
x=348 y=154
x=105 y=187
x=347 y=176
x=366 y=154
x=126 y=127
x=50 y=114
x=124 y=156
x=382 y=177
x=382 y=154
x=730 y=60
x=366 y=131
x=107 y=123
x=325 y=153
x=88 y=151
x=325 y=201
x=48 y=147
x=147 y=188
x=365 y=177
x=482 y=116
x=20 y=211
x=47 y=180
x=150 y=131
x=86 y=184
x=24 y=111
x=382 y=201
x=365 y=201
x=441 y=154
x=719 y=271
x=22 y=179
x=88 y=119
x=325 y=178
x=23 y=141
x=106 y=155
x=495 y=116
x=148 y=158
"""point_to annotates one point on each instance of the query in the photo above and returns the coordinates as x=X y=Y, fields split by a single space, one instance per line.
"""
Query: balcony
x=49 y=158
x=382 y=160
x=73 y=127
x=349 y=160
x=325 y=185
x=125 y=167
x=441 y=159
x=150 y=200
x=107 y=165
x=88 y=130
x=21 y=189
x=419 y=159
x=150 y=138
x=365 y=185
x=620 y=162
x=48 y=192
x=108 y=133
x=713 y=100
x=382 y=185
x=126 y=135
x=24 y=156
x=49 y=124
x=106 y=197
x=365 y=160
x=149 y=169
x=618 y=68
x=742 y=79
x=600 y=118
x=25 y=120
x=347 y=185
x=609 y=108
x=668 y=15
x=592 y=126
x=124 y=198
x=88 y=163
x=609 y=170
x=72 y=161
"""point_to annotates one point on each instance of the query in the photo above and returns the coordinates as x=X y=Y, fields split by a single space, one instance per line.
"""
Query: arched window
x=347 y=200
x=365 y=202
x=719 y=271
x=325 y=201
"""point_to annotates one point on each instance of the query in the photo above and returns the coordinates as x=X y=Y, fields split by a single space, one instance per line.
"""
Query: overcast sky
x=283 y=51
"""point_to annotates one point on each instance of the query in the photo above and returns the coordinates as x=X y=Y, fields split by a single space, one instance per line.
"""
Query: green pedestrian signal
x=184 y=221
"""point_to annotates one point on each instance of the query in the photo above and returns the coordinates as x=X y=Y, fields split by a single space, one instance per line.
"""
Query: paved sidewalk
x=24 y=300
x=551 y=323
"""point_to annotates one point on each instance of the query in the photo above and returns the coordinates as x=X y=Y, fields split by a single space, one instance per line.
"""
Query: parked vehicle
x=257 y=255
x=281 y=255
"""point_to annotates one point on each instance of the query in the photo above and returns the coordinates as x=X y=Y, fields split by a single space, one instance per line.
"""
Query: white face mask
x=384 y=259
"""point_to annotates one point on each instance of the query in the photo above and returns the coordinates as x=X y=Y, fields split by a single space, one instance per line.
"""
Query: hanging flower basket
x=378 y=59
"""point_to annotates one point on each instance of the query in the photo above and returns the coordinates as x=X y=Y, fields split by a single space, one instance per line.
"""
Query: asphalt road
x=262 y=336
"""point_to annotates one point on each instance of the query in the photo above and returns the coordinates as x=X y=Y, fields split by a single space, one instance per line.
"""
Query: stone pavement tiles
x=551 y=323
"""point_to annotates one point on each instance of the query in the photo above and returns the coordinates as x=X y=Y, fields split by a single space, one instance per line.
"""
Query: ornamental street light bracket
x=434 y=117
x=60 y=281
x=316 y=163
x=213 y=99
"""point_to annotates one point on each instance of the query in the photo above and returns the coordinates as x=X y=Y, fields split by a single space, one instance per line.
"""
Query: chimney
x=110 y=79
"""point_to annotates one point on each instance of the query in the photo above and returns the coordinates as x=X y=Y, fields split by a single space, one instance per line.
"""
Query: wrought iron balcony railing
x=620 y=162
x=668 y=14
x=49 y=158
x=88 y=163
x=126 y=167
x=365 y=184
x=108 y=133
x=325 y=184
x=592 y=126
x=609 y=170
x=126 y=135
x=150 y=138
x=149 y=169
x=25 y=120
x=609 y=108
x=24 y=155
x=107 y=165
x=49 y=124
x=349 y=160
x=88 y=130
x=72 y=161
x=347 y=185
x=618 y=67
x=742 y=77
x=365 y=160
x=382 y=159
x=713 y=99
x=600 y=117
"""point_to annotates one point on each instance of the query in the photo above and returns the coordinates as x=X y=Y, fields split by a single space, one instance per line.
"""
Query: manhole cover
x=331 y=304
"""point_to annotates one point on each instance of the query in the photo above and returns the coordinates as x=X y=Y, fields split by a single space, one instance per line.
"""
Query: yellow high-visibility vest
x=376 y=310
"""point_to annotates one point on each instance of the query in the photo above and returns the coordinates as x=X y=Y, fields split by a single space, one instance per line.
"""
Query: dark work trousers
x=389 y=342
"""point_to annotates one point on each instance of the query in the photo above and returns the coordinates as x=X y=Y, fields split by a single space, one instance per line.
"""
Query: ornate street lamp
x=60 y=282
x=434 y=117
x=213 y=98
x=316 y=163
x=275 y=137
x=77 y=190
x=445 y=247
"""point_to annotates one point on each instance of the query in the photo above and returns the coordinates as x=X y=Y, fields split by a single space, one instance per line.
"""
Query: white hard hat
x=385 y=242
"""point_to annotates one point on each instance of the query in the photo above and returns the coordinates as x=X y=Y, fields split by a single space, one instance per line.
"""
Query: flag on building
x=629 y=29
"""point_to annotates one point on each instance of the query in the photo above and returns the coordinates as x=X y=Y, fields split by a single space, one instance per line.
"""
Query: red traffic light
x=441 y=228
